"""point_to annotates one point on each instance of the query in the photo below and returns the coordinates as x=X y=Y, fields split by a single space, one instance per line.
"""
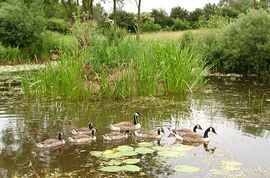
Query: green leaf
x=96 y=153
x=112 y=156
x=144 y=150
x=111 y=169
x=131 y=168
x=114 y=163
x=128 y=153
x=145 y=144
x=124 y=148
x=231 y=165
x=171 y=154
x=218 y=171
x=186 y=169
x=131 y=161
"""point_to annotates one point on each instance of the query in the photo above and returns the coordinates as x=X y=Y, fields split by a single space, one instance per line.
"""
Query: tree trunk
x=254 y=4
x=138 y=20
x=91 y=9
x=114 y=22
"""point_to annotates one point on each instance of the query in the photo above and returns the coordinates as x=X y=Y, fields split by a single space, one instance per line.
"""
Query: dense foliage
x=20 y=25
x=245 y=44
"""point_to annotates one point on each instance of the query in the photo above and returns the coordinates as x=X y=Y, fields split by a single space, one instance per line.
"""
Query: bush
x=150 y=27
x=57 y=25
x=11 y=54
x=20 y=26
x=179 y=24
x=245 y=44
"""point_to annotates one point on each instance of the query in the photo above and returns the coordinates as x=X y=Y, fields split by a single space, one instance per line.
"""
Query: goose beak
x=214 y=132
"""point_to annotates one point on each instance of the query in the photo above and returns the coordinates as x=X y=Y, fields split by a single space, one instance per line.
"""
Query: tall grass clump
x=163 y=66
x=63 y=79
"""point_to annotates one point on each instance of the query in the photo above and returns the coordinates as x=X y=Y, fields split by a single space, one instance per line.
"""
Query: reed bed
x=130 y=69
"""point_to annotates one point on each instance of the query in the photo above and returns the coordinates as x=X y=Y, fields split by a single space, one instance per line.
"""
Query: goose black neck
x=93 y=133
x=158 y=132
x=90 y=126
x=60 y=136
x=194 y=128
x=205 y=135
x=135 y=120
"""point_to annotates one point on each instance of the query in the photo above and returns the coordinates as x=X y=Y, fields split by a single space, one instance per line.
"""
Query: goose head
x=160 y=130
x=136 y=116
x=197 y=127
x=60 y=136
x=90 y=125
x=210 y=129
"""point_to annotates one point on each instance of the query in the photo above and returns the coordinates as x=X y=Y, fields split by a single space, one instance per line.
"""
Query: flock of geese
x=122 y=131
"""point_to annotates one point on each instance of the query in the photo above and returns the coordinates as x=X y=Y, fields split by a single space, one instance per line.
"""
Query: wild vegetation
x=99 y=56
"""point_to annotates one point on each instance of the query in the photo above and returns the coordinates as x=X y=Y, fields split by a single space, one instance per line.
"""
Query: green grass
x=150 y=68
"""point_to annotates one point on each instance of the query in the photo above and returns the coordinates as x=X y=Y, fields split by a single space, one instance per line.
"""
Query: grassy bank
x=152 y=67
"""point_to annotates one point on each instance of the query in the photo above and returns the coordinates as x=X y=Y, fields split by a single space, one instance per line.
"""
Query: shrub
x=179 y=24
x=150 y=27
x=58 y=25
x=20 y=26
x=245 y=44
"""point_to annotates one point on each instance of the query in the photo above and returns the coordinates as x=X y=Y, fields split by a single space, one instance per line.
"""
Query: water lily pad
x=218 y=171
x=231 y=165
x=108 y=152
x=186 y=169
x=128 y=153
x=131 y=161
x=131 y=168
x=145 y=144
x=159 y=148
x=171 y=154
x=125 y=148
x=111 y=169
x=184 y=148
x=96 y=153
x=114 y=163
x=144 y=150
x=112 y=156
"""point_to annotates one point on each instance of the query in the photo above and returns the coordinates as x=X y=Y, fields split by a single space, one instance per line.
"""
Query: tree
x=161 y=17
x=180 y=13
x=210 y=10
x=138 y=3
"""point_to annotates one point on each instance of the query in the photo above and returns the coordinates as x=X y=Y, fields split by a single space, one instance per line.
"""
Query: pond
x=237 y=109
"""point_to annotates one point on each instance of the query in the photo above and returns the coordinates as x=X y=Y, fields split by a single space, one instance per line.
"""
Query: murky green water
x=232 y=108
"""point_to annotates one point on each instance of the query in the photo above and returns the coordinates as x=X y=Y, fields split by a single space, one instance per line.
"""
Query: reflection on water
x=230 y=107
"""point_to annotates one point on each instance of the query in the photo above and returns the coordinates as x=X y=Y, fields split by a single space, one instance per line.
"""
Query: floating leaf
x=218 y=171
x=144 y=150
x=159 y=148
x=128 y=153
x=112 y=156
x=184 y=148
x=186 y=169
x=231 y=165
x=131 y=168
x=131 y=161
x=111 y=169
x=108 y=152
x=124 y=148
x=145 y=144
x=171 y=154
x=96 y=153
x=114 y=163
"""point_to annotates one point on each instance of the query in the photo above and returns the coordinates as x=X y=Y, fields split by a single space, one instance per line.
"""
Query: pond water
x=238 y=110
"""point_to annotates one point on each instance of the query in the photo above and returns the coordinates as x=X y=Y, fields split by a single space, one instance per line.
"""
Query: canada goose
x=194 y=137
x=83 y=138
x=127 y=125
x=116 y=136
x=52 y=143
x=84 y=130
x=182 y=132
x=155 y=135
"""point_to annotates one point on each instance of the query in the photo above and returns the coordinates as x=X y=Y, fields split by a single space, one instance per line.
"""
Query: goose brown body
x=193 y=137
x=116 y=136
x=122 y=126
x=183 y=132
x=84 y=130
x=83 y=138
x=144 y=135
x=52 y=143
